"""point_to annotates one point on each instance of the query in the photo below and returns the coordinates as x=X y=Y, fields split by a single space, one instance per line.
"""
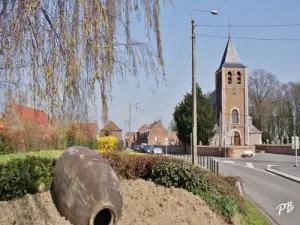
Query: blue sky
x=279 y=57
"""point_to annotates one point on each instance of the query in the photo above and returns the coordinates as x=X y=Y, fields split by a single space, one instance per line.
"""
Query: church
x=230 y=102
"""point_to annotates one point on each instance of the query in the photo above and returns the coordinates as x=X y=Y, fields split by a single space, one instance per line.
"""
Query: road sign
x=295 y=142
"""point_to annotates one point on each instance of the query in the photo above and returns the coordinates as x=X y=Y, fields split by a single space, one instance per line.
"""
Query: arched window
x=235 y=116
x=239 y=77
x=229 y=77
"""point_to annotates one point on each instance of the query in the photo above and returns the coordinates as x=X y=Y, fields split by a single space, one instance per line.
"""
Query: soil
x=144 y=204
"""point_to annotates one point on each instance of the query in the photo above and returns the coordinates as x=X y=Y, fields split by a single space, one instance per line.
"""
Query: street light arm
x=214 y=12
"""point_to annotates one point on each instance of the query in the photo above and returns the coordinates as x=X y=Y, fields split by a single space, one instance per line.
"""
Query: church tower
x=232 y=98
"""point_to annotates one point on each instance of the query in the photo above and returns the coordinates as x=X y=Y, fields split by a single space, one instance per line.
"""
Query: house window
x=235 y=116
x=239 y=77
x=229 y=77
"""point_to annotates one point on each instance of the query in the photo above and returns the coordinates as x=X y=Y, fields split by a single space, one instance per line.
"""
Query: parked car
x=143 y=145
x=157 y=150
x=147 y=148
x=137 y=147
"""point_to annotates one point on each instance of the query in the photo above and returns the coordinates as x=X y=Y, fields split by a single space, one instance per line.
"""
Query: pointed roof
x=230 y=57
x=111 y=126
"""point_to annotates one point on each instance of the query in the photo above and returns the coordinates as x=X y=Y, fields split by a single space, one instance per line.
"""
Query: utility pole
x=295 y=144
x=129 y=121
x=125 y=128
x=194 y=153
x=220 y=132
x=194 y=144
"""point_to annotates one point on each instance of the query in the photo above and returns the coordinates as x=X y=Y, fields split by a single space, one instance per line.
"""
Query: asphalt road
x=266 y=189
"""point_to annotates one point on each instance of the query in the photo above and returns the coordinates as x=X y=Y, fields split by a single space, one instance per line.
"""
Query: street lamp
x=213 y=12
x=194 y=144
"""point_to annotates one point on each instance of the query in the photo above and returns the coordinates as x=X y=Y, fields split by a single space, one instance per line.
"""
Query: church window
x=234 y=116
x=239 y=77
x=229 y=77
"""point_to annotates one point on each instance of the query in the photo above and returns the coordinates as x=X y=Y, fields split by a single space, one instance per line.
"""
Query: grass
x=254 y=215
x=131 y=152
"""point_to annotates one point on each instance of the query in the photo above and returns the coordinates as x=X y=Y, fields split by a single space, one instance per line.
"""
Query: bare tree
x=172 y=126
x=69 y=51
x=292 y=94
x=263 y=93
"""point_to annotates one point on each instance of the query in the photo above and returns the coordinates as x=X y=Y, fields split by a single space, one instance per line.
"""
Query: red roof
x=31 y=114
x=142 y=128
x=147 y=127
x=111 y=126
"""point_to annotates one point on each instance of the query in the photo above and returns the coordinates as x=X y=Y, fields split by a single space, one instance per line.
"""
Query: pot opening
x=104 y=217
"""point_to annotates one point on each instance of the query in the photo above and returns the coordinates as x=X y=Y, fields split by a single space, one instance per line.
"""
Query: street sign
x=295 y=142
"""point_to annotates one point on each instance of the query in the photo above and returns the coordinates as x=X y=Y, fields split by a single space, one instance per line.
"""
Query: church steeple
x=230 y=57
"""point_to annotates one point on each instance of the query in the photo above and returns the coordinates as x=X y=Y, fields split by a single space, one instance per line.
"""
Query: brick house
x=154 y=133
x=131 y=137
x=28 y=128
x=2 y=127
x=112 y=129
x=90 y=131
x=35 y=118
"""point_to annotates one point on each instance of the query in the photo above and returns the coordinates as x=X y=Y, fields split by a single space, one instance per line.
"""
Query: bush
x=132 y=166
x=28 y=175
x=32 y=173
x=218 y=193
x=179 y=174
x=5 y=145
x=120 y=145
x=107 y=144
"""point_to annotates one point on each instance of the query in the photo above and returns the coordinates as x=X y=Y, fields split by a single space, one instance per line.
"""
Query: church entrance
x=237 y=138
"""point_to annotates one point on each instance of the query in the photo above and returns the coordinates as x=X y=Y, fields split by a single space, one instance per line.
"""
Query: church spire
x=230 y=57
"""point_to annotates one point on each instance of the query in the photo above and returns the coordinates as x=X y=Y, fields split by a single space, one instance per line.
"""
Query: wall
x=239 y=150
x=277 y=149
x=158 y=131
x=254 y=139
x=203 y=150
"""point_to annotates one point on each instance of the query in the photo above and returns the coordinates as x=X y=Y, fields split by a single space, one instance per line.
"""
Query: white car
x=156 y=149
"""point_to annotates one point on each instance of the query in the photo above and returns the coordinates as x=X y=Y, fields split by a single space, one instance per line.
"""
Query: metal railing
x=206 y=162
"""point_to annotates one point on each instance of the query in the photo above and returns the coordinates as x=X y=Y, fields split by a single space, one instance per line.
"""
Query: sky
x=282 y=58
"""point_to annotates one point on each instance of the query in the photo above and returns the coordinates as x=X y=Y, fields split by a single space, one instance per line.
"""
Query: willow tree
x=68 y=51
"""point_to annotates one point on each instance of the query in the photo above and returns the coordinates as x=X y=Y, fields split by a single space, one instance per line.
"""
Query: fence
x=206 y=162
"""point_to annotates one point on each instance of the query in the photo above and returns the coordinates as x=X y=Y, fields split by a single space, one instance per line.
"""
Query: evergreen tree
x=206 y=118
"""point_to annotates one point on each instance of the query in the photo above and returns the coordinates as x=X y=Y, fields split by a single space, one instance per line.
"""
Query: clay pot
x=85 y=189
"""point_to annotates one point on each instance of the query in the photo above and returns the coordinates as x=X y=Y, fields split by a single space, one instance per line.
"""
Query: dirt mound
x=144 y=203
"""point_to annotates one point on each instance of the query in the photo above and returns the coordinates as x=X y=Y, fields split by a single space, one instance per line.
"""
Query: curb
x=288 y=176
x=263 y=211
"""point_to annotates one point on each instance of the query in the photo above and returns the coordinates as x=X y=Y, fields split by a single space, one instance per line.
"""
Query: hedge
x=32 y=174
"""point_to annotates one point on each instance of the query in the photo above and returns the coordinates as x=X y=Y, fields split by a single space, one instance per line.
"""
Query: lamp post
x=194 y=83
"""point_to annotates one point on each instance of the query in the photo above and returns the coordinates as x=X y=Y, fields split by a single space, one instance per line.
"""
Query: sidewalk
x=289 y=172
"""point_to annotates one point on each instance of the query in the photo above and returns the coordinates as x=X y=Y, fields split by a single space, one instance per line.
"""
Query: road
x=266 y=189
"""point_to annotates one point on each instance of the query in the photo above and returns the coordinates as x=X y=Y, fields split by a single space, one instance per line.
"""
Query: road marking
x=250 y=165
x=231 y=162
